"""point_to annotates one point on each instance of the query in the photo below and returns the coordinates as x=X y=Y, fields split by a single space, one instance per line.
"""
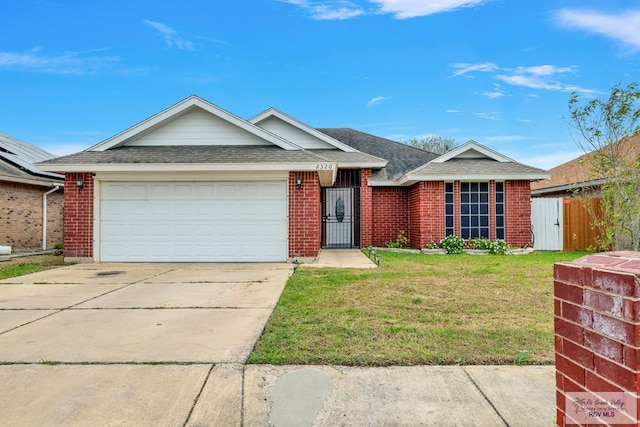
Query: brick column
x=597 y=329
x=517 y=206
x=366 y=208
x=304 y=214
x=78 y=217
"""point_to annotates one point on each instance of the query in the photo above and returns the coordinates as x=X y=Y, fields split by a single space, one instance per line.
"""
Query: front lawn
x=31 y=264
x=417 y=310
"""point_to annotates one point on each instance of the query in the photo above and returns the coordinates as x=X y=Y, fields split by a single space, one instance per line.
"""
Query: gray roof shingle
x=401 y=157
x=216 y=154
x=479 y=166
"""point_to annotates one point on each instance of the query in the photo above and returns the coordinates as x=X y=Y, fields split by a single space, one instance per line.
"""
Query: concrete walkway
x=166 y=344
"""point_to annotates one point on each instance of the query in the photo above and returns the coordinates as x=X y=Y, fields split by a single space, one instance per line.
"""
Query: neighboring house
x=560 y=220
x=196 y=183
x=28 y=194
x=576 y=175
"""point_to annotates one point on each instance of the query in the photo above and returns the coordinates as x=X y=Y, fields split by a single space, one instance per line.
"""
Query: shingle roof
x=480 y=166
x=208 y=154
x=402 y=158
x=17 y=160
x=576 y=171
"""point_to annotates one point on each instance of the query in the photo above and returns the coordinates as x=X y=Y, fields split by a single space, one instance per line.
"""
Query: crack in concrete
x=486 y=398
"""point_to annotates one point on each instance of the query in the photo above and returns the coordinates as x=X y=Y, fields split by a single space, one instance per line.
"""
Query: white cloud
x=452 y=111
x=548 y=161
x=621 y=27
x=377 y=100
x=403 y=9
x=544 y=77
x=489 y=116
x=170 y=36
x=464 y=68
x=72 y=62
x=328 y=9
x=400 y=9
x=525 y=120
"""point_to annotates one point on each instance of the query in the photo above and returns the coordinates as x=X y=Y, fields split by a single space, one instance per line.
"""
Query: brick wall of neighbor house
x=304 y=215
x=597 y=328
x=21 y=216
x=391 y=206
x=426 y=213
x=517 y=212
x=366 y=208
x=78 y=218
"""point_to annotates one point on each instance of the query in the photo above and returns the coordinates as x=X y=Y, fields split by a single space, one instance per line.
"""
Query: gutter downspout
x=44 y=216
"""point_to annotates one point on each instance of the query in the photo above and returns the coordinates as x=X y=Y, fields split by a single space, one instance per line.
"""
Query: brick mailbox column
x=597 y=334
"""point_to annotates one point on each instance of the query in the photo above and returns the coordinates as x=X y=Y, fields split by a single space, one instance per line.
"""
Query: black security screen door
x=341 y=211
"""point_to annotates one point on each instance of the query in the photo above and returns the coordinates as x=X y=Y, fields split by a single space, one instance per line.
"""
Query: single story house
x=28 y=195
x=195 y=183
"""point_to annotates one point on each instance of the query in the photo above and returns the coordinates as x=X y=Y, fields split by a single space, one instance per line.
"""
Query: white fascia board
x=31 y=181
x=191 y=167
x=273 y=112
x=180 y=107
x=473 y=145
x=385 y=183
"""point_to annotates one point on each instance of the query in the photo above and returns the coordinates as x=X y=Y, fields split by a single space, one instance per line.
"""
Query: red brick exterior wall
x=21 y=215
x=304 y=215
x=366 y=208
x=426 y=213
x=78 y=216
x=391 y=207
x=517 y=210
x=597 y=327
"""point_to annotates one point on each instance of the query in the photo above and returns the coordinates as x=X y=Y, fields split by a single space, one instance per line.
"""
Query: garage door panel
x=193 y=222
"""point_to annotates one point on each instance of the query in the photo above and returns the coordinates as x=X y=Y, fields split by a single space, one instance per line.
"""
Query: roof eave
x=412 y=177
x=568 y=187
x=189 y=167
x=31 y=181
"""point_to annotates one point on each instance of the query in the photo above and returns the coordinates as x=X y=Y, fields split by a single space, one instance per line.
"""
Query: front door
x=338 y=217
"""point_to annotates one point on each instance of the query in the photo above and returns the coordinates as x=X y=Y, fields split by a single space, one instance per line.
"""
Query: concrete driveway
x=127 y=344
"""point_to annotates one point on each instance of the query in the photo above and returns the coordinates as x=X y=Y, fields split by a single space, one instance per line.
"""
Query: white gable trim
x=193 y=101
x=473 y=145
x=272 y=112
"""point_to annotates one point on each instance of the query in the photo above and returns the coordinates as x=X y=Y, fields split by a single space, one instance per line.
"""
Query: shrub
x=452 y=244
x=497 y=247
x=400 y=242
x=432 y=245
x=480 y=243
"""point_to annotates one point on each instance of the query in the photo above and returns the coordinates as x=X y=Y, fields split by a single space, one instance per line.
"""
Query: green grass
x=26 y=265
x=417 y=309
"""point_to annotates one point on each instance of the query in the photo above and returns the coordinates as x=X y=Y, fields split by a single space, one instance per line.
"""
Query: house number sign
x=324 y=166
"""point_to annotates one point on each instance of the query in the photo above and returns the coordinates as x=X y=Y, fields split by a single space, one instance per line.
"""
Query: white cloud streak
x=71 y=62
x=400 y=9
x=541 y=77
x=331 y=10
x=170 y=36
x=377 y=100
x=622 y=27
x=403 y=9
x=489 y=116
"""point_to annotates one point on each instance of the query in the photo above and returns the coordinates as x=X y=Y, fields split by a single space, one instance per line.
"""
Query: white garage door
x=193 y=221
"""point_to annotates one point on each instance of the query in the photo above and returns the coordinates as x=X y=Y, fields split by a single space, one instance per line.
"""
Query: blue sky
x=73 y=73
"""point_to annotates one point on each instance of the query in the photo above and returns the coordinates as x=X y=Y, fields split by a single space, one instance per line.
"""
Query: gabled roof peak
x=191 y=102
x=472 y=150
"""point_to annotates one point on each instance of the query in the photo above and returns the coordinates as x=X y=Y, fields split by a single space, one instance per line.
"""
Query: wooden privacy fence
x=577 y=219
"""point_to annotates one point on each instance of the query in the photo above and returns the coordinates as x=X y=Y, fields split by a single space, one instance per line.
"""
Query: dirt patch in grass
x=416 y=310
x=30 y=264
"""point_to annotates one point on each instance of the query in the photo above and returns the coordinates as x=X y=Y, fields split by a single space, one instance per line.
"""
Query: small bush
x=479 y=243
x=401 y=240
x=497 y=247
x=452 y=244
